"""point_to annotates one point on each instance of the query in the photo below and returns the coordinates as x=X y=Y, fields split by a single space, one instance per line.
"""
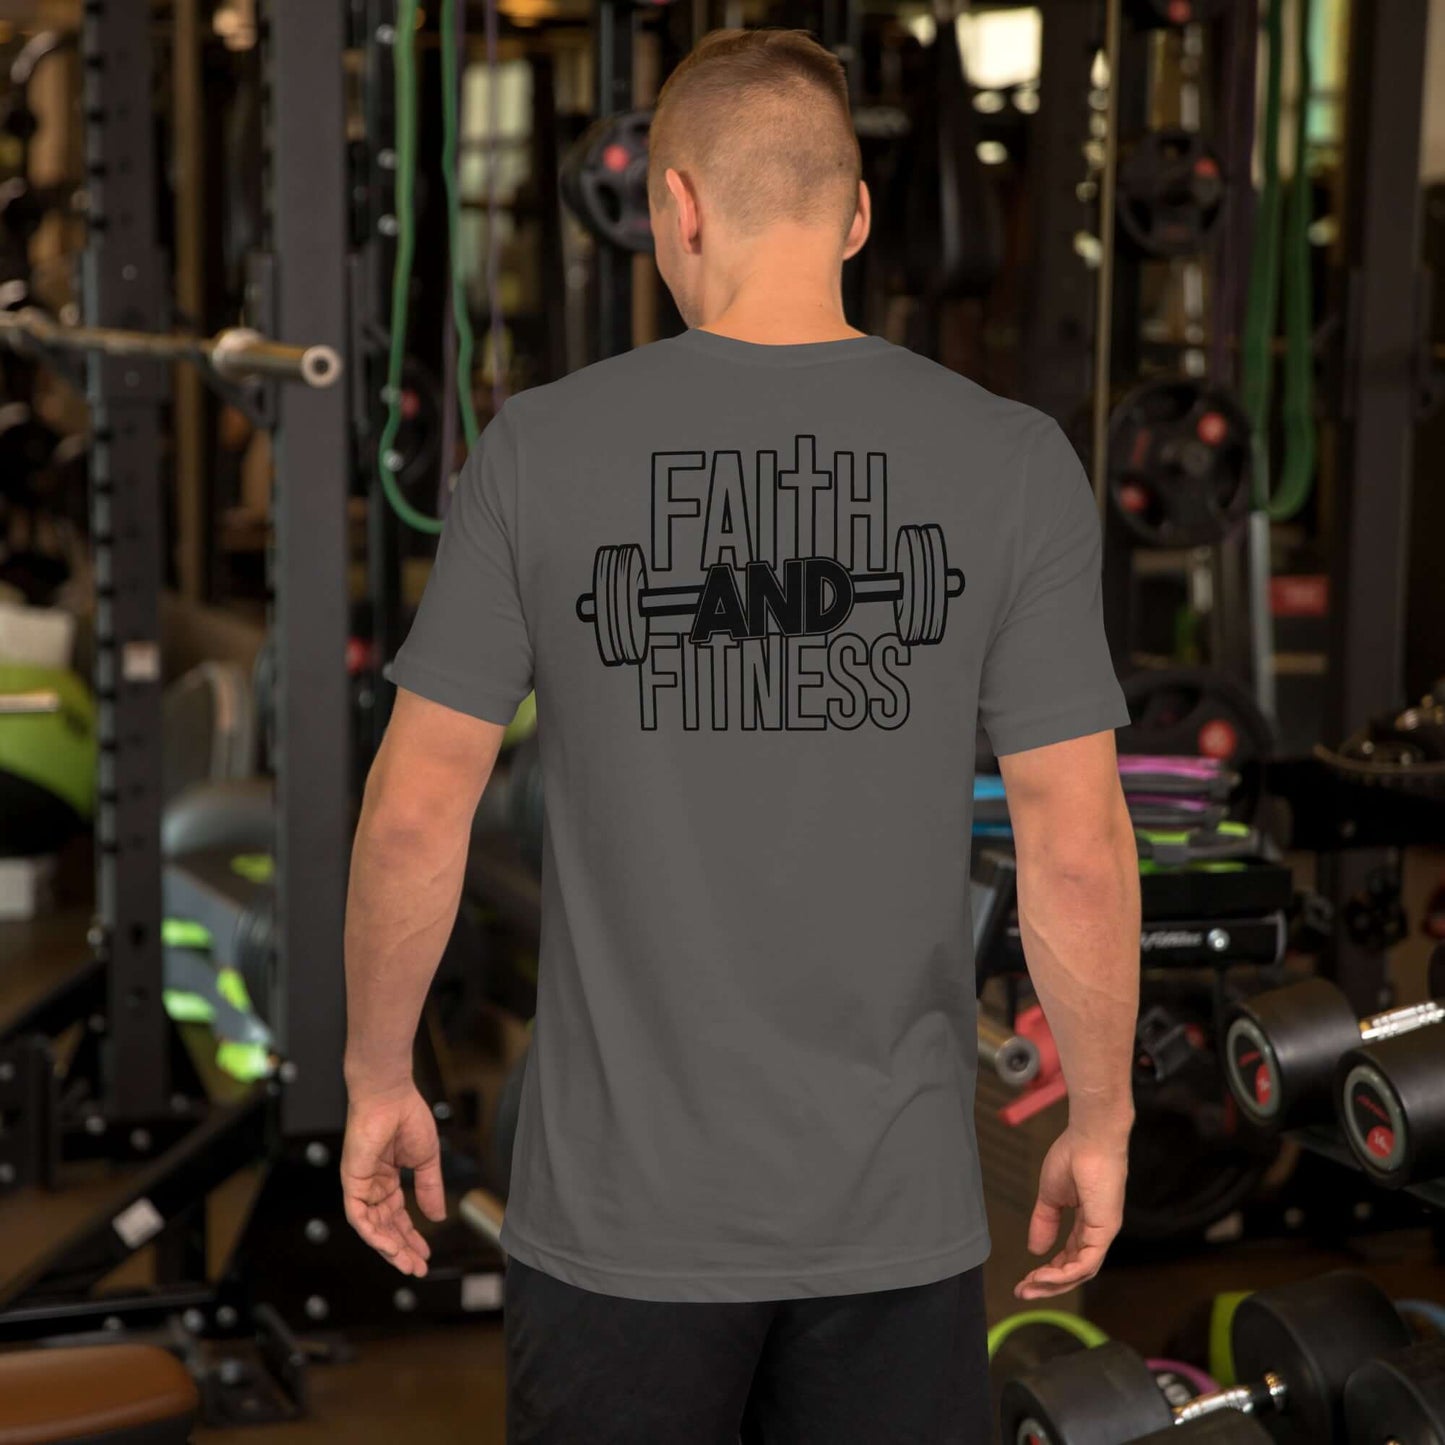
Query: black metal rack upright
x=313 y=444
x=612 y=41
x=1385 y=363
x=123 y=284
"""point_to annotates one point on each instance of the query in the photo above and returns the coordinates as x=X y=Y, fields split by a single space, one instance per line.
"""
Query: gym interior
x=270 y=266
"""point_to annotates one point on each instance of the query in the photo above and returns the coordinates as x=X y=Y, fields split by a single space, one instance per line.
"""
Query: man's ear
x=862 y=223
x=689 y=223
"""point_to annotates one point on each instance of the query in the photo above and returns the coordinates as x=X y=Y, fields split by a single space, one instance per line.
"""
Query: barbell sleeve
x=235 y=353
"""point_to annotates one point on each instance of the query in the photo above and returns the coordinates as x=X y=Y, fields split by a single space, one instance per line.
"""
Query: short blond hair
x=761 y=118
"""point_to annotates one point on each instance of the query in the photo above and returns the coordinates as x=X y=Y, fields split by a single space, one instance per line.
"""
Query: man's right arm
x=1078 y=900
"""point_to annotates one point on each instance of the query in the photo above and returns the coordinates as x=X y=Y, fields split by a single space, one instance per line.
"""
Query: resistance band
x=404 y=70
x=1276 y=239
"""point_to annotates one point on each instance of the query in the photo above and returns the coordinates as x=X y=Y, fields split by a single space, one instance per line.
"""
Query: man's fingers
x=1063 y=1273
x=1044 y=1226
x=430 y=1194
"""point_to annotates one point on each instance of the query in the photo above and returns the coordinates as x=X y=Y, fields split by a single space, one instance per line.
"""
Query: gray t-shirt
x=765 y=595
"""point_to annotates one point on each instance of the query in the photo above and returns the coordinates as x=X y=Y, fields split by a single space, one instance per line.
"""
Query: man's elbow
x=399 y=821
x=1085 y=856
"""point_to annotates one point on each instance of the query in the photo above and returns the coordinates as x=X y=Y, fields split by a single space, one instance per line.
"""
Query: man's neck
x=792 y=302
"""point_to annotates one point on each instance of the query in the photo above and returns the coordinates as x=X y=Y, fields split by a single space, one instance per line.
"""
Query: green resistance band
x=1089 y=1335
x=405 y=147
x=1281 y=245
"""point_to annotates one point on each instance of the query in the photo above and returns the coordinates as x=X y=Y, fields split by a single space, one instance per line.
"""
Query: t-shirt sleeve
x=1048 y=675
x=469 y=648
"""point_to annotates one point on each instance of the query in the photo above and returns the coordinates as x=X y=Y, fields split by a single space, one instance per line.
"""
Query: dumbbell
x=621 y=605
x=1281 y=1049
x=1299 y=1344
x=1399 y=1400
x=1390 y=1098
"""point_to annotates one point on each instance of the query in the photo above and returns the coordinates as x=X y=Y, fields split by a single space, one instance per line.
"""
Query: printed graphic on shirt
x=771 y=596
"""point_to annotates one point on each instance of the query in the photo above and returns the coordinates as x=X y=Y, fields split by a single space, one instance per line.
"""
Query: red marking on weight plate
x=1207 y=167
x=1370 y=1105
x=616 y=156
x=1218 y=739
x=1141 y=447
x=1134 y=498
x=1263 y=1086
x=410 y=405
x=1212 y=429
x=1380 y=1141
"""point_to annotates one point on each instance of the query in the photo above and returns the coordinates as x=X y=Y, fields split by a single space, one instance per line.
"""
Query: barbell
x=235 y=353
x=621 y=605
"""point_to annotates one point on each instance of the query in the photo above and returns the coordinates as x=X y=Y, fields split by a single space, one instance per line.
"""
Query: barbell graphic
x=621 y=605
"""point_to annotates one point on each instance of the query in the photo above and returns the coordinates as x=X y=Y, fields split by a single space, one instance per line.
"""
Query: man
x=766 y=578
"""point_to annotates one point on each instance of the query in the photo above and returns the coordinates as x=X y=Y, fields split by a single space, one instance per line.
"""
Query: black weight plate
x=604 y=180
x=1179 y=462
x=1025 y=1349
x=1399 y=1400
x=1281 y=1049
x=1102 y=1396
x=1315 y=1334
x=1171 y=192
x=1192 y=712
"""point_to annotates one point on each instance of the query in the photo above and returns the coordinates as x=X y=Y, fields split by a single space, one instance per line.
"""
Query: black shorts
x=892 y=1367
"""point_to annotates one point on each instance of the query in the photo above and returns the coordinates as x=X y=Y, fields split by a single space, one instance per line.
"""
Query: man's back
x=763 y=592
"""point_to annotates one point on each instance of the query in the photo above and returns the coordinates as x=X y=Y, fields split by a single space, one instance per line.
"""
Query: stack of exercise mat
x=1325 y=1361
x=1300 y=1058
x=1180 y=807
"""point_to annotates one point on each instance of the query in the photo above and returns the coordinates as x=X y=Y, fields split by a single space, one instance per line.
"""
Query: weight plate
x=604 y=180
x=1399 y=1400
x=921 y=560
x=1098 y=1397
x=618 y=576
x=1315 y=1334
x=1193 y=712
x=1179 y=462
x=1171 y=192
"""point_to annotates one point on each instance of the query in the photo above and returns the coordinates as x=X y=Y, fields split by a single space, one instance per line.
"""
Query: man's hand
x=386 y=1133
x=1089 y=1179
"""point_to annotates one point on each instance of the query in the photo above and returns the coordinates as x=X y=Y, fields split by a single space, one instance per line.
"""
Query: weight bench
x=96 y=1395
